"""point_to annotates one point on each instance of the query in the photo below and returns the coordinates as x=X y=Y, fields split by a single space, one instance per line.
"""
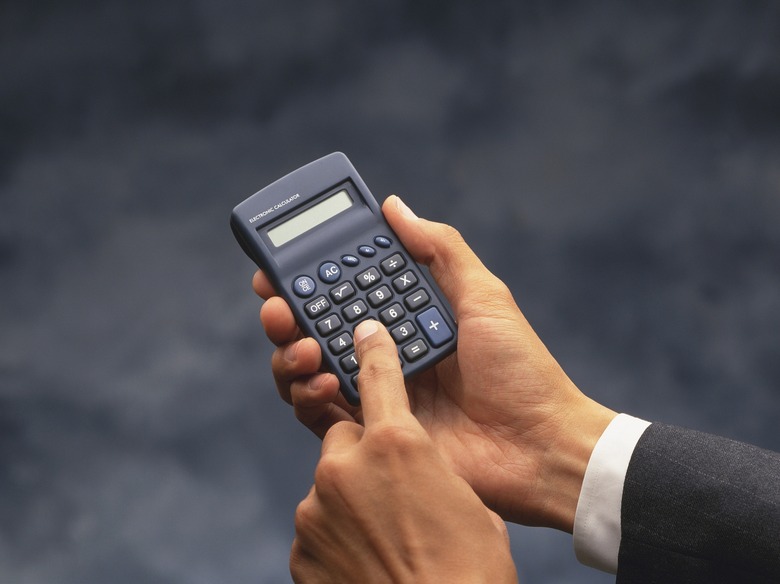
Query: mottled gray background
x=618 y=164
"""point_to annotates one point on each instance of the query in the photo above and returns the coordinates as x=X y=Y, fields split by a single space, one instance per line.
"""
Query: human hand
x=500 y=410
x=385 y=506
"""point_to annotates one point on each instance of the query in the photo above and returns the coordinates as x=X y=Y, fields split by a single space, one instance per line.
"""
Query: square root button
x=434 y=326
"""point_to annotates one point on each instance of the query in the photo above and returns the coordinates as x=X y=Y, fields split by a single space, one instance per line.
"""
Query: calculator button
x=416 y=299
x=403 y=331
x=349 y=363
x=382 y=241
x=304 y=286
x=340 y=344
x=328 y=325
x=342 y=292
x=434 y=326
x=392 y=264
x=368 y=278
x=317 y=306
x=367 y=251
x=405 y=281
x=350 y=260
x=355 y=311
x=415 y=350
x=393 y=314
x=380 y=296
x=329 y=272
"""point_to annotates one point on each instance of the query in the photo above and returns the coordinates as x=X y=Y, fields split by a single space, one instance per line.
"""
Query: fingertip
x=262 y=285
x=364 y=330
x=400 y=207
x=278 y=321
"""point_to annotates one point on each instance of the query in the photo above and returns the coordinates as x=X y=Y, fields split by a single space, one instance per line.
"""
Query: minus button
x=417 y=299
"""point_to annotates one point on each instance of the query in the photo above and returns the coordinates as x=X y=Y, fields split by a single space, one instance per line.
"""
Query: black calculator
x=320 y=237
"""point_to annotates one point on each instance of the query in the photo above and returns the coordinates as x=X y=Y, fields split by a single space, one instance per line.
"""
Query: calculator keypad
x=342 y=292
x=384 y=287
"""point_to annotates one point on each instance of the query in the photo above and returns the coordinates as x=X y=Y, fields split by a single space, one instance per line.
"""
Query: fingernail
x=365 y=329
x=314 y=383
x=291 y=352
x=403 y=209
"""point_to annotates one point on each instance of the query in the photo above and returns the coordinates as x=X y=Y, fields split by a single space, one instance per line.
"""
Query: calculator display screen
x=310 y=218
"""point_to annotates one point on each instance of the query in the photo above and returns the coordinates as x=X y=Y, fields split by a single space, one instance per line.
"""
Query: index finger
x=380 y=381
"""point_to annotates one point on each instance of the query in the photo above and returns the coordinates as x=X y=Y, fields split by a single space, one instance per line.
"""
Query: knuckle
x=374 y=369
x=450 y=234
x=328 y=473
x=297 y=567
x=400 y=440
x=305 y=514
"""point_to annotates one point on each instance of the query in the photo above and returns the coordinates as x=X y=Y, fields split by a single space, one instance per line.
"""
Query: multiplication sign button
x=434 y=326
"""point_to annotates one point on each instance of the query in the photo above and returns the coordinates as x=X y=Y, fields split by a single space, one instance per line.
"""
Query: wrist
x=564 y=462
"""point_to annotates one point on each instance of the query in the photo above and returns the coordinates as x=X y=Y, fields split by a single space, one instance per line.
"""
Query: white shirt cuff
x=597 y=520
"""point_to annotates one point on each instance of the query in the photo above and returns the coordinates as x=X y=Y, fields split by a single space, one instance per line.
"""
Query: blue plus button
x=434 y=326
x=304 y=286
x=329 y=272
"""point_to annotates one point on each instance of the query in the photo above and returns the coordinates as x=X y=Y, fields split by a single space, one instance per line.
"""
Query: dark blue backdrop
x=618 y=164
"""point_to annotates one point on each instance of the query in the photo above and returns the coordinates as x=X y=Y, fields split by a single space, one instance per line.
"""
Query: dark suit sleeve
x=699 y=508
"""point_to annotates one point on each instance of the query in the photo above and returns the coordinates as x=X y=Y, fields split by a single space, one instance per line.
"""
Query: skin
x=500 y=411
x=381 y=506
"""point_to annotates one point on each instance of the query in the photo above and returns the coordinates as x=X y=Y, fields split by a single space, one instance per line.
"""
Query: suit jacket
x=699 y=508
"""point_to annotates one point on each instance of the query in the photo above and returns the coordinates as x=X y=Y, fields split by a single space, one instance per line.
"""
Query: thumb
x=460 y=274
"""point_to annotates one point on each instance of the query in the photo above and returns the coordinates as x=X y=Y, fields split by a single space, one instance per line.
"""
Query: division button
x=329 y=272
x=392 y=264
x=415 y=350
x=317 y=306
x=434 y=326
x=382 y=241
x=367 y=251
x=304 y=286
x=350 y=260
x=416 y=299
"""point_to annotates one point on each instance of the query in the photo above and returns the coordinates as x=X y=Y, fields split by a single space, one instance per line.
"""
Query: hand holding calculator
x=320 y=237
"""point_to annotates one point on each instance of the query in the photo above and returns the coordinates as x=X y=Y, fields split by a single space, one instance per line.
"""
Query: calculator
x=320 y=237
